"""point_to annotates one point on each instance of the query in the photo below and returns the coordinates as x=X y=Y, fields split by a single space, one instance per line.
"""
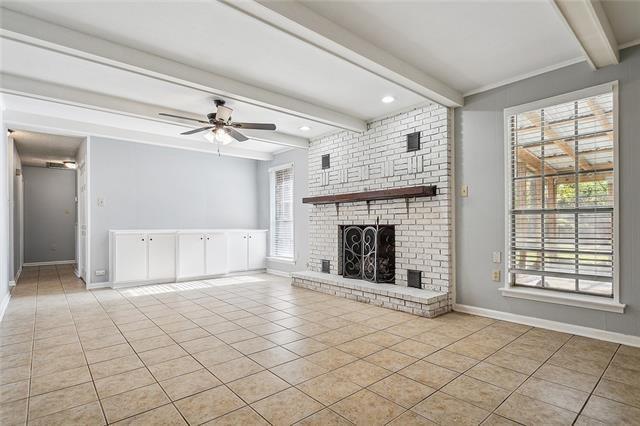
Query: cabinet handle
x=142 y=239
x=150 y=239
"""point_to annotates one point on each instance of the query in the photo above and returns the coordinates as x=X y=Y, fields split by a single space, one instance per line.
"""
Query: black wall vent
x=326 y=266
x=326 y=161
x=413 y=141
x=414 y=278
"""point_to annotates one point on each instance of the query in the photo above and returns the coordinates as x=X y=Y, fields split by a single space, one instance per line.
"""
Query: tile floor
x=253 y=350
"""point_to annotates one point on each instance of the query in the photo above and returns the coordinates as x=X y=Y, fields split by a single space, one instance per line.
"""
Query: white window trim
x=551 y=296
x=272 y=209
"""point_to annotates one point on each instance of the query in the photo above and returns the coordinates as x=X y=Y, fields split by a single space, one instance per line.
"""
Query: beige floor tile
x=235 y=369
x=133 y=402
x=14 y=391
x=390 y=360
x=272 y=357
x=253 y=345
x=517 y=363
x=285 y=336
x=414 y=348
x=156 y=356
x=563 y=376
x=217 y=355
x=14 y=413
x=530 y=411
x=14 y=374
x=360 y=348
x=286 y=407
x=444 y=409
x=234 y=336
x=331 y=358
x=59 y=380
x=328 y=388
x=409 y=418
x=151 y=343
x=257 y=386
x=496 y=420
x=476 y=392
x=611 y=412
x=452 y=361
x=401 y=390
x=52 y=402
x=581 y=365
x=623 y=375
x=166 y=415
x=555 y=394
x=620 y=392
x=325 y=417
x=382 y=338
x=429 y=374
x=434 y=339
x=123 y=382
x=188 y=384
x=202 y=344
x=106 y=354
x=496 y=375
x=367 y=408
x=174 y=367
x=298 y=371
x=244 y=416
x=363 y=373
x=103 y=369
x=88 y=414
x=583 y=420
x=208 y=405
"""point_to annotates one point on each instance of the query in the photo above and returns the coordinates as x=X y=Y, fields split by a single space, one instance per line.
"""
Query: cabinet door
x=162 y=256
x=257 y=250
x=216 y=253
x=237 y=251
x=131 y=257
x=190 y=255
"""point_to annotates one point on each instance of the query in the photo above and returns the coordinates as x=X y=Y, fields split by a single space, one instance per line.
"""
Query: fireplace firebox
x=368 y=252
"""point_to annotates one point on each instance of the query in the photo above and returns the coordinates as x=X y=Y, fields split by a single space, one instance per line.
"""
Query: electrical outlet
x=100 y=272
x=495 y=275
x=464 y=191
x=497 y=257
x=100 y=202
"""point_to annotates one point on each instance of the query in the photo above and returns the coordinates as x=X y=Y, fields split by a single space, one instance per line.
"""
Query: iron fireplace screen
x=368 y=253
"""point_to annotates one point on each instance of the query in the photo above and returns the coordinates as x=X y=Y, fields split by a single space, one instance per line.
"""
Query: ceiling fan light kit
x=220 y=128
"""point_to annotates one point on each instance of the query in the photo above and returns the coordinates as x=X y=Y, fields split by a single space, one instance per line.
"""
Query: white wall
x=147 y=186
x=49 y=214
x=5 y=269
x=299 y=158
x=480 y=218
x=18 y=212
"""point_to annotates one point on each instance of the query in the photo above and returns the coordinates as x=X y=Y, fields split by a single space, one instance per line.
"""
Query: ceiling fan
x=222 y=129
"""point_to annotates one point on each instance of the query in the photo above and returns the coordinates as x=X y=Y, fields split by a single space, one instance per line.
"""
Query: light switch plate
x=497 y=257
x=100 y=272
x=100 y=202
x=495 y=275
x=464 y=191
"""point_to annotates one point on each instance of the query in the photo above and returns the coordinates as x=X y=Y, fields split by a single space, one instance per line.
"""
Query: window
x=562 y=193
x=282 y=211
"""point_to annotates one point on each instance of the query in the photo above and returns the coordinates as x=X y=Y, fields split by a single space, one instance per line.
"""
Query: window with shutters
x=562 y=213
x=282 y=212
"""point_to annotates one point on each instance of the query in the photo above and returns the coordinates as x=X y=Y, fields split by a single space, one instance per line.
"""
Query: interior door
x=237 y=251
x=190 y=255
x=216 y=253
x=257 y=250
x=131 y=257
x=162 y=256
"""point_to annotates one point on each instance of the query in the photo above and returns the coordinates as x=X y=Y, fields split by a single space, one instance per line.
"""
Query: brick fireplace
x=409 y=150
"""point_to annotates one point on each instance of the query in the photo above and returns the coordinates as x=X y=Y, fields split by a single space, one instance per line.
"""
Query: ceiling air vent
x=51 y=165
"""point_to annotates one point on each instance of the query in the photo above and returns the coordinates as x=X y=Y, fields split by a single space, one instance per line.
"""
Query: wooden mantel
x=383 y=194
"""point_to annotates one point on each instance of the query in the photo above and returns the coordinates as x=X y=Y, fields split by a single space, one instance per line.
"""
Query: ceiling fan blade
x=236 y=135
x=201 y=129
x=257 y=126
x=182 y=118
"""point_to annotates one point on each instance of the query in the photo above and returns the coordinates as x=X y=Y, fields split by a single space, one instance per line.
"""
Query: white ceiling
x=299 y=78
x=36 y=149
x=466 y=44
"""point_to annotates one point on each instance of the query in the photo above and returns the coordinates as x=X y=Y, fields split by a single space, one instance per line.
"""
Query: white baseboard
x=53 y=262
x=4 y=303
x=17 y=277
x=94 y=286
x=279 y=273
x=579 y=330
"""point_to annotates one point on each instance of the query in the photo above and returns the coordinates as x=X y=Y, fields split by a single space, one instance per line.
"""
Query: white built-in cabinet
x=138 y=257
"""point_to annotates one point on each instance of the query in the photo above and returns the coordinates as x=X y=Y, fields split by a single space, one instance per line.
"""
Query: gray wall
x=299 y=158
x=18 y=217
x=49 y=214
x=152 y=187
x=480 y=218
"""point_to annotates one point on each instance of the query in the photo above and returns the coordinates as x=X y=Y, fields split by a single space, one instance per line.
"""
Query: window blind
x=282 y=232
x=561 y=207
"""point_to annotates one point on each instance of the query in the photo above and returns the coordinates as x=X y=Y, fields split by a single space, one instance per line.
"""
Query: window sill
x=578 y=300
x=287 y=260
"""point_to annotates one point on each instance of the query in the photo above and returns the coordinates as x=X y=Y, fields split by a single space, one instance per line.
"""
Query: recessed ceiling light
x=388 y=99
x=305 y=128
